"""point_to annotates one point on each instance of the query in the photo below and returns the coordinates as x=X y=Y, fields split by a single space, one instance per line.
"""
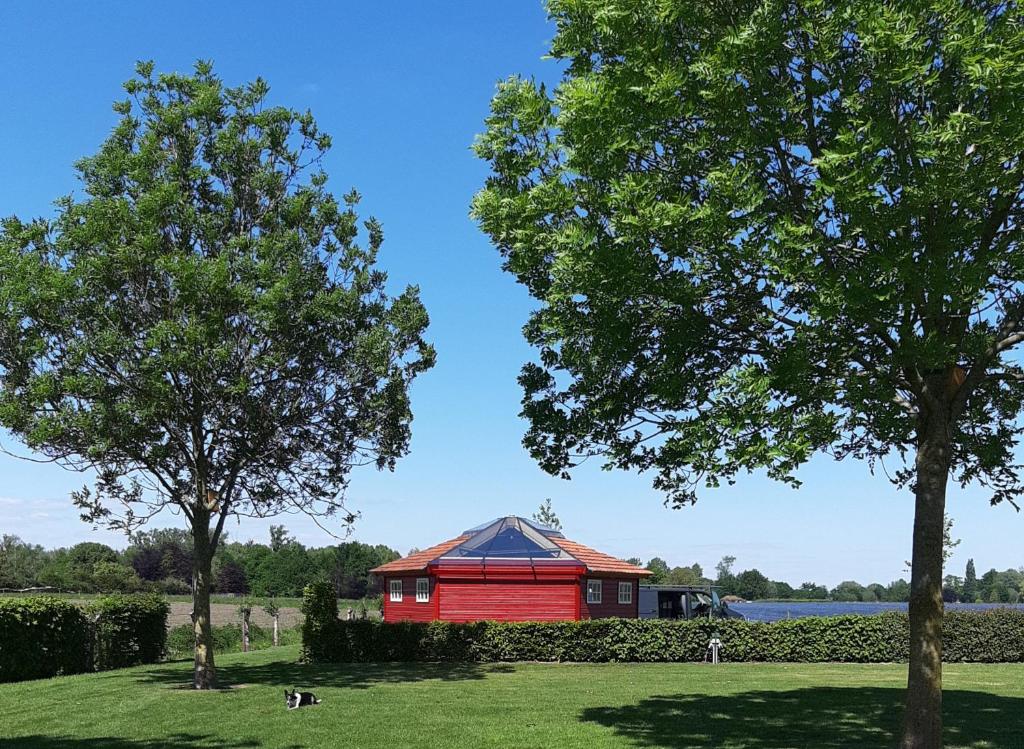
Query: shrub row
x=127 y=630
x=992 y=636
x=45 y=636
x=42 y=637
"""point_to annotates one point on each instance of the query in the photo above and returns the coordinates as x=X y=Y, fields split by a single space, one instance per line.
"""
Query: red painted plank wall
x=609 y=605
x=507 y=601
x=409 y=610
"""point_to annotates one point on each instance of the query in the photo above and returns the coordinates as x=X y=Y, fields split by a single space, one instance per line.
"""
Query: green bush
x=45 y=636
x=991 y=636
x=320 y=612
x=40 y=637
x=128 y=630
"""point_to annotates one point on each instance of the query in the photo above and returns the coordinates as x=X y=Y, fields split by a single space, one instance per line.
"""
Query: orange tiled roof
x=419 y=560
x=596 y=561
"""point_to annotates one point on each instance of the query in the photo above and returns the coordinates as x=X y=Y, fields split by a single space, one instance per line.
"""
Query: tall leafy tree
x=970 y=582
x=761 y=229
x=753 y=585
x=205 y=327
x=659 y=570
x=279 y=537
x=20 y=562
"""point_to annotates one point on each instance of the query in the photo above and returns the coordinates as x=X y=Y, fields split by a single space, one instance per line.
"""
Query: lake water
x=771 y=611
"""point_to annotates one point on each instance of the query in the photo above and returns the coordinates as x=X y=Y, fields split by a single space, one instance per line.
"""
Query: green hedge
x=45 y=636
x=991 y=636
x=42 y=637
x=128 y=630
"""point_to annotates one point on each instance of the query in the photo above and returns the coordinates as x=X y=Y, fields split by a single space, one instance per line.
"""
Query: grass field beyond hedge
x=677 y=706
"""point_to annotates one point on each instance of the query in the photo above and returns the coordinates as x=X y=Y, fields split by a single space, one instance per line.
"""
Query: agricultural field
x=671 y=706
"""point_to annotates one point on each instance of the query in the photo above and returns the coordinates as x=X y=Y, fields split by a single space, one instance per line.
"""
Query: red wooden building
x=510 y=569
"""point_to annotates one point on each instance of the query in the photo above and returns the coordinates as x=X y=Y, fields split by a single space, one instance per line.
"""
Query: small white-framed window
x=422 y=589
x=625 y=592
x=593 y=591
x=396 y=591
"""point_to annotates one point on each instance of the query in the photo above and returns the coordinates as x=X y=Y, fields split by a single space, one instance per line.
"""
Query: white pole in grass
x=714 y=646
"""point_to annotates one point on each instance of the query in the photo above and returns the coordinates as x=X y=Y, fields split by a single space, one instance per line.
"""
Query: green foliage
x=45 y=636
x=42 y=637
x=662 y=574
x=970 y=591
x=755 y=233
x=991 y=636
x=320 y=612
x=286 y=571
x=659 y=570
x=20 y=562
x=161 y=561
x=203 y=325
x=783 y=591
x=128 y=630
x=760 y=231
x=114 y=577
x=231 y=578
x=545 y=515
x=848 y=590
x=1001 y=587
x=206 y=280
x=692 y=575
x=753 y=585
x=812 y=591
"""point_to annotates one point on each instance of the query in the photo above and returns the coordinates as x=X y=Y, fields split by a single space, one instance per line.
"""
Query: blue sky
x=402 y=88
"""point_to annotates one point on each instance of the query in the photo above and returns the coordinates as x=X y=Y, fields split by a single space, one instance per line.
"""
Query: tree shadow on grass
x=308 y=676
x=175 y=741
x=822 y=717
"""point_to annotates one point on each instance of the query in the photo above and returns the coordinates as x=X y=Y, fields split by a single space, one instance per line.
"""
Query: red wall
x=609 y=606
x=409 y=609
x=507 y=601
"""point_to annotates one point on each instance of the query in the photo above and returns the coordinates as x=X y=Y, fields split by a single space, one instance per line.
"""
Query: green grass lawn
x=676 y=706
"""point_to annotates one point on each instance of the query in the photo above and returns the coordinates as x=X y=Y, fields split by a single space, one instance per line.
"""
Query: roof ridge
x=595 y=561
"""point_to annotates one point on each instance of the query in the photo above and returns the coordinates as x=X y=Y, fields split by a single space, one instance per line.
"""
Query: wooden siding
x=507 y=601
x=609 y=606
x=409 y=610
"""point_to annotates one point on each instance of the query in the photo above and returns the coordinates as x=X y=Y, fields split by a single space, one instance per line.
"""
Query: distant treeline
x=161 y=560
x=992 y=587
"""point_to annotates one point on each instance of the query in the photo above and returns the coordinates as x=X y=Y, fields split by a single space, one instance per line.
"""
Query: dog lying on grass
x=294 y=700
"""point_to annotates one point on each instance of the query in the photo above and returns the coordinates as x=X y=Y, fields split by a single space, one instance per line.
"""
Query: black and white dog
x=294 y=700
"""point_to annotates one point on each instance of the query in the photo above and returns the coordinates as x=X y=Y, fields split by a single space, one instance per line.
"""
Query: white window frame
x=625 y=592
x=396 y=591
x=594 y=588
x=422 y=590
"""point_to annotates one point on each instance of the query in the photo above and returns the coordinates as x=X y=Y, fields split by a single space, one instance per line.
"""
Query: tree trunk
x=245 y=632
x=922 y=722
x=205 y=673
